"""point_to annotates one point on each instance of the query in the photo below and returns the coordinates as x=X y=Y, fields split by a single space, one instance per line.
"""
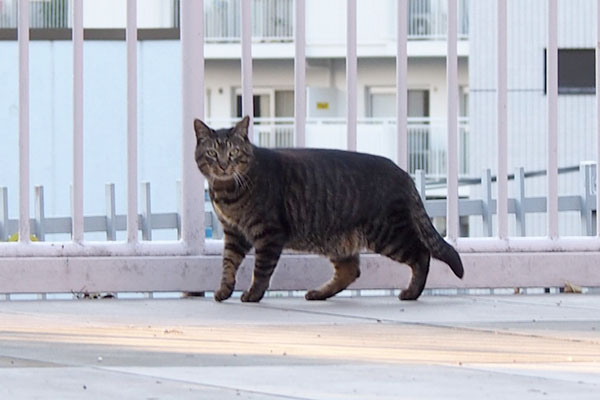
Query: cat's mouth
x=221 y=174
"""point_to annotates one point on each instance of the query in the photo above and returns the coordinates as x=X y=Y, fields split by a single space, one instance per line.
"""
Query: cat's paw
x=250 y=296
x=223 y=294
x=408 y=295
x=315 y=295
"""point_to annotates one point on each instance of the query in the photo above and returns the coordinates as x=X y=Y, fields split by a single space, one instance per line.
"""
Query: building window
x=267 y=100
x=381 y=103
x=576 y=71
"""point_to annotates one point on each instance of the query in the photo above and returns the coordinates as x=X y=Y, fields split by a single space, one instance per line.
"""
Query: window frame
x=571 y=90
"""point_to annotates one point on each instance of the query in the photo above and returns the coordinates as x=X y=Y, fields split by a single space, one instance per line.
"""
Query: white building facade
x=527 y=110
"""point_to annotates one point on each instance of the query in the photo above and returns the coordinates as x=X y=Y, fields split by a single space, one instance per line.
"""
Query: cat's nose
x=223 y=167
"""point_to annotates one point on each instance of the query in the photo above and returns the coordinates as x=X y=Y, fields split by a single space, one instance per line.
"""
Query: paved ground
x=497 y=347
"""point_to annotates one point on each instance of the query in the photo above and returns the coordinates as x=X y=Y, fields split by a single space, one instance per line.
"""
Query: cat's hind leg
x=347 y=270
x=420 y=270
x=403 y=246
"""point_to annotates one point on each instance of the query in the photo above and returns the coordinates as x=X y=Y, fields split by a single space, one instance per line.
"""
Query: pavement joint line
x=358 y=317
x=519 y=334
x=50 y=364
x=470 y=367
x=438 y=325
x=515 y=302
x=116 y=370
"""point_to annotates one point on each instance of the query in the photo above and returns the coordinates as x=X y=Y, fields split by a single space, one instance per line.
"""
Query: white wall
x=104 y=122
x=113 y=14
x=326 y=21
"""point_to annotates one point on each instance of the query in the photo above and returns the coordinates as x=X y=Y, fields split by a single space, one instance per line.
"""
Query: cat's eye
x=234 y=152
x=211 y=153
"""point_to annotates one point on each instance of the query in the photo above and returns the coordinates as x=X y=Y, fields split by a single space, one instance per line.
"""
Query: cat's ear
x=241 y=129
x=202 y=130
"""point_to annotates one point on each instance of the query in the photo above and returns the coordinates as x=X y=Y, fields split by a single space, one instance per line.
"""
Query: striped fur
x=331 y=202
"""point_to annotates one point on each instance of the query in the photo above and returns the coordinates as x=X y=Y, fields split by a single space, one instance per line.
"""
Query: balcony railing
x=428 y=19
x=272 y=20
x=48 y=14
x=426 y=138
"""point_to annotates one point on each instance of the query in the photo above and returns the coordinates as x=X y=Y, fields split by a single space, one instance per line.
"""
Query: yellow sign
x=322 y=105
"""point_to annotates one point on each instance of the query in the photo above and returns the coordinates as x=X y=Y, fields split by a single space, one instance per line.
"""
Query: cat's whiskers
x=241 y=180
x=236 y=178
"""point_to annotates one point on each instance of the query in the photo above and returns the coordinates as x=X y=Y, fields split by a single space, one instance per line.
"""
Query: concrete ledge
x=294 y=272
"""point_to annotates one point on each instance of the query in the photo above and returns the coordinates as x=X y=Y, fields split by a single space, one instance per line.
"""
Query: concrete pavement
x=467 y=347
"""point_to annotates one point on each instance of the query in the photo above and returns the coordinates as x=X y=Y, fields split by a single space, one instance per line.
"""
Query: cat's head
x=224 y=153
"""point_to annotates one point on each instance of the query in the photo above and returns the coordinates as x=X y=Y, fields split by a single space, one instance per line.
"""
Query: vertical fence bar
x=111 y=214
x=486 y=198
x=192 y=92
x=300 y=72
x=552 y=106
x=502 y=111
x=146 y=211
x=421 y=184
x=77 y=227
x=520 y=203
x=598 y=118
x=452 y=163
x=247 y=100
x=132 y=156
x=179 y=207
x=23 y=33
x=3 y=214
x=351 y=72
x=40 y=215
x=587 y=170
x=401 y=84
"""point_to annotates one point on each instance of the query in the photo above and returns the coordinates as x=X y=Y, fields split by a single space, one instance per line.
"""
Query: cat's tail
x=436 y=244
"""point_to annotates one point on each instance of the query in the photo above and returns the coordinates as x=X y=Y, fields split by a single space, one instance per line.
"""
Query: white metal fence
x=44 y=228
x=193 y=263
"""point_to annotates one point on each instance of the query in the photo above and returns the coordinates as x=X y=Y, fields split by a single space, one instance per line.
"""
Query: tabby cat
x=330 y=202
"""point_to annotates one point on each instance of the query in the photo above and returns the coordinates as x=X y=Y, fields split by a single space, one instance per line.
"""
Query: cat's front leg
x=236 y=248
x=267 y=256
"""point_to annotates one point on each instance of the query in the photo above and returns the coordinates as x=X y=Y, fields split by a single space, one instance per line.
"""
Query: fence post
x=192 y=96
x=39 y=213
x=24 y=147
x=111 y=218
x=401 y=84
x=299 y=73
x=3 y=214
x=146 y=212
x=131 y=43
x=351 y=75
x=520 y=200
x=587 y=176
x=486 y=201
